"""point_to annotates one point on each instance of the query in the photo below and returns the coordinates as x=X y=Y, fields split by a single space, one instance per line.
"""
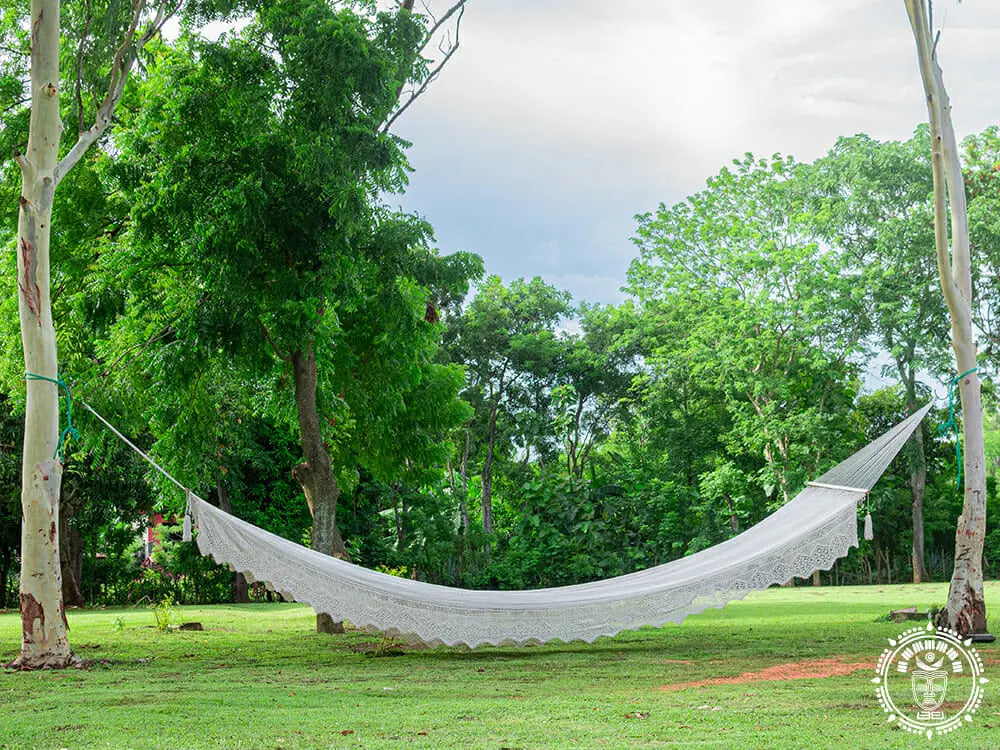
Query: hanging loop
x=70 y=431
x=952 y=426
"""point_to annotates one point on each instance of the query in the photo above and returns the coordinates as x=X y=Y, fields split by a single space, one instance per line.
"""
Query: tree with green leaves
x=761 y=314
x=594 y=376
x=104 y=61
x=981 y=162
x=504 y=336
x=873 y=203
x=270 y=250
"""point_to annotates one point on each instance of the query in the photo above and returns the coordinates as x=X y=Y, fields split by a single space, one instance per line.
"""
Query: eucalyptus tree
x=254 y=168
x=873 y=202
x=108 y=39
x=966 y=608
x=763 y=315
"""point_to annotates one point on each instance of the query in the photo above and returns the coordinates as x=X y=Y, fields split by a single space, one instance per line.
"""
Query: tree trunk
x=397 y=519
x=71 y=559
x=70 y=548
x=966 y=609
x=734 y=520
x=918 y=484
x=240 y=593
x=43 y=621
x=315 y=473
x=486 y=501
x=464 y=473
x=6 y=557
x=918 y=475
x=779 y=472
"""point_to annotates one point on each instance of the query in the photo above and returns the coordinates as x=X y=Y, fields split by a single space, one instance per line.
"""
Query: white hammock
x=809 y=533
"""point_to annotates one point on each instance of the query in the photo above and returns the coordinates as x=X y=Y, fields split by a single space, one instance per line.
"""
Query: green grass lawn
x=258 y=677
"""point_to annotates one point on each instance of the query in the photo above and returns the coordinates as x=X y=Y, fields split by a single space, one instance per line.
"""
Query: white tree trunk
x=44 y=642
x=966 y=609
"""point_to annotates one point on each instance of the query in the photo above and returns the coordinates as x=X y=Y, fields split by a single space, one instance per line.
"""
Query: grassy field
x=258 y=677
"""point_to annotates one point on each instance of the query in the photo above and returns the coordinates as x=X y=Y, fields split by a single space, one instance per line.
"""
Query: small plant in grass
x=119 y=624
x=386 y=647
x=163 y=613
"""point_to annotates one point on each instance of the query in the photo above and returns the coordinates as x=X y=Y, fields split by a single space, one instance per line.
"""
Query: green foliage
x=738 y=297
x=251 y=247
x=10 y=507
x=888 y=556
x=236 y=217
x=873 y=200
x=163 y=612
x=981 y=168
x=179 y=573
x=561 y=530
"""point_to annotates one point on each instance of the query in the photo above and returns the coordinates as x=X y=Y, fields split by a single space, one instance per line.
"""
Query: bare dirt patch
x=796 y=670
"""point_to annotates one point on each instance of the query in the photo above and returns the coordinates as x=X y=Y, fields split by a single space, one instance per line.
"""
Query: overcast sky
x=559 y=120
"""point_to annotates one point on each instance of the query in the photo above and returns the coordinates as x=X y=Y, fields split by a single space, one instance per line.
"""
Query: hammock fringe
x=809 y=533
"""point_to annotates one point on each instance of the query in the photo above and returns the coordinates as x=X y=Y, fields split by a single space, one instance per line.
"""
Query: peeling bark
x=966 y=608
x=28 y=284
x=45 y=641
x=44 y=638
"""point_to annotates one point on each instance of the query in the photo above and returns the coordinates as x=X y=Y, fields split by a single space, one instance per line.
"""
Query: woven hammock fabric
x=809 y=533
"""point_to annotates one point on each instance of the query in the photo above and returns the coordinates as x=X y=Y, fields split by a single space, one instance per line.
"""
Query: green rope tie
x=951 y=426
x=70 y=430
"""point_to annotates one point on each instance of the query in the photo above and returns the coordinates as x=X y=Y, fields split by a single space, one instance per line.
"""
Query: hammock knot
x=952 y=426
x=70 y=431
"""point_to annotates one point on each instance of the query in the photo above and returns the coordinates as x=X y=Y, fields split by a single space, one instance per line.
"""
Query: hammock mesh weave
x=809 y=533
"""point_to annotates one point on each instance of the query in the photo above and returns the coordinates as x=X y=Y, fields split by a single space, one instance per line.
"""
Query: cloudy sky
x=559 y=120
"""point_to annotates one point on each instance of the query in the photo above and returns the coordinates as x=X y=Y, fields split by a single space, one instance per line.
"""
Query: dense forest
x=244 y=302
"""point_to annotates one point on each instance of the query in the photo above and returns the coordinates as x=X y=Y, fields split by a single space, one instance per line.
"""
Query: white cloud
x=558 y=121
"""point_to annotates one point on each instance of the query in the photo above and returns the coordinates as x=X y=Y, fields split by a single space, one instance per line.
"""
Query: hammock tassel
x=186 y=535
x=869 y=531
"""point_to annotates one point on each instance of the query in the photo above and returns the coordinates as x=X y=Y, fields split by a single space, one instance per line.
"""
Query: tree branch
x=121 y=66
x=920 y=23
x=459 y=8
x=14 y=105
x=141 y=348
x=79 y=68
x=267 y=335
x=23 y=163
